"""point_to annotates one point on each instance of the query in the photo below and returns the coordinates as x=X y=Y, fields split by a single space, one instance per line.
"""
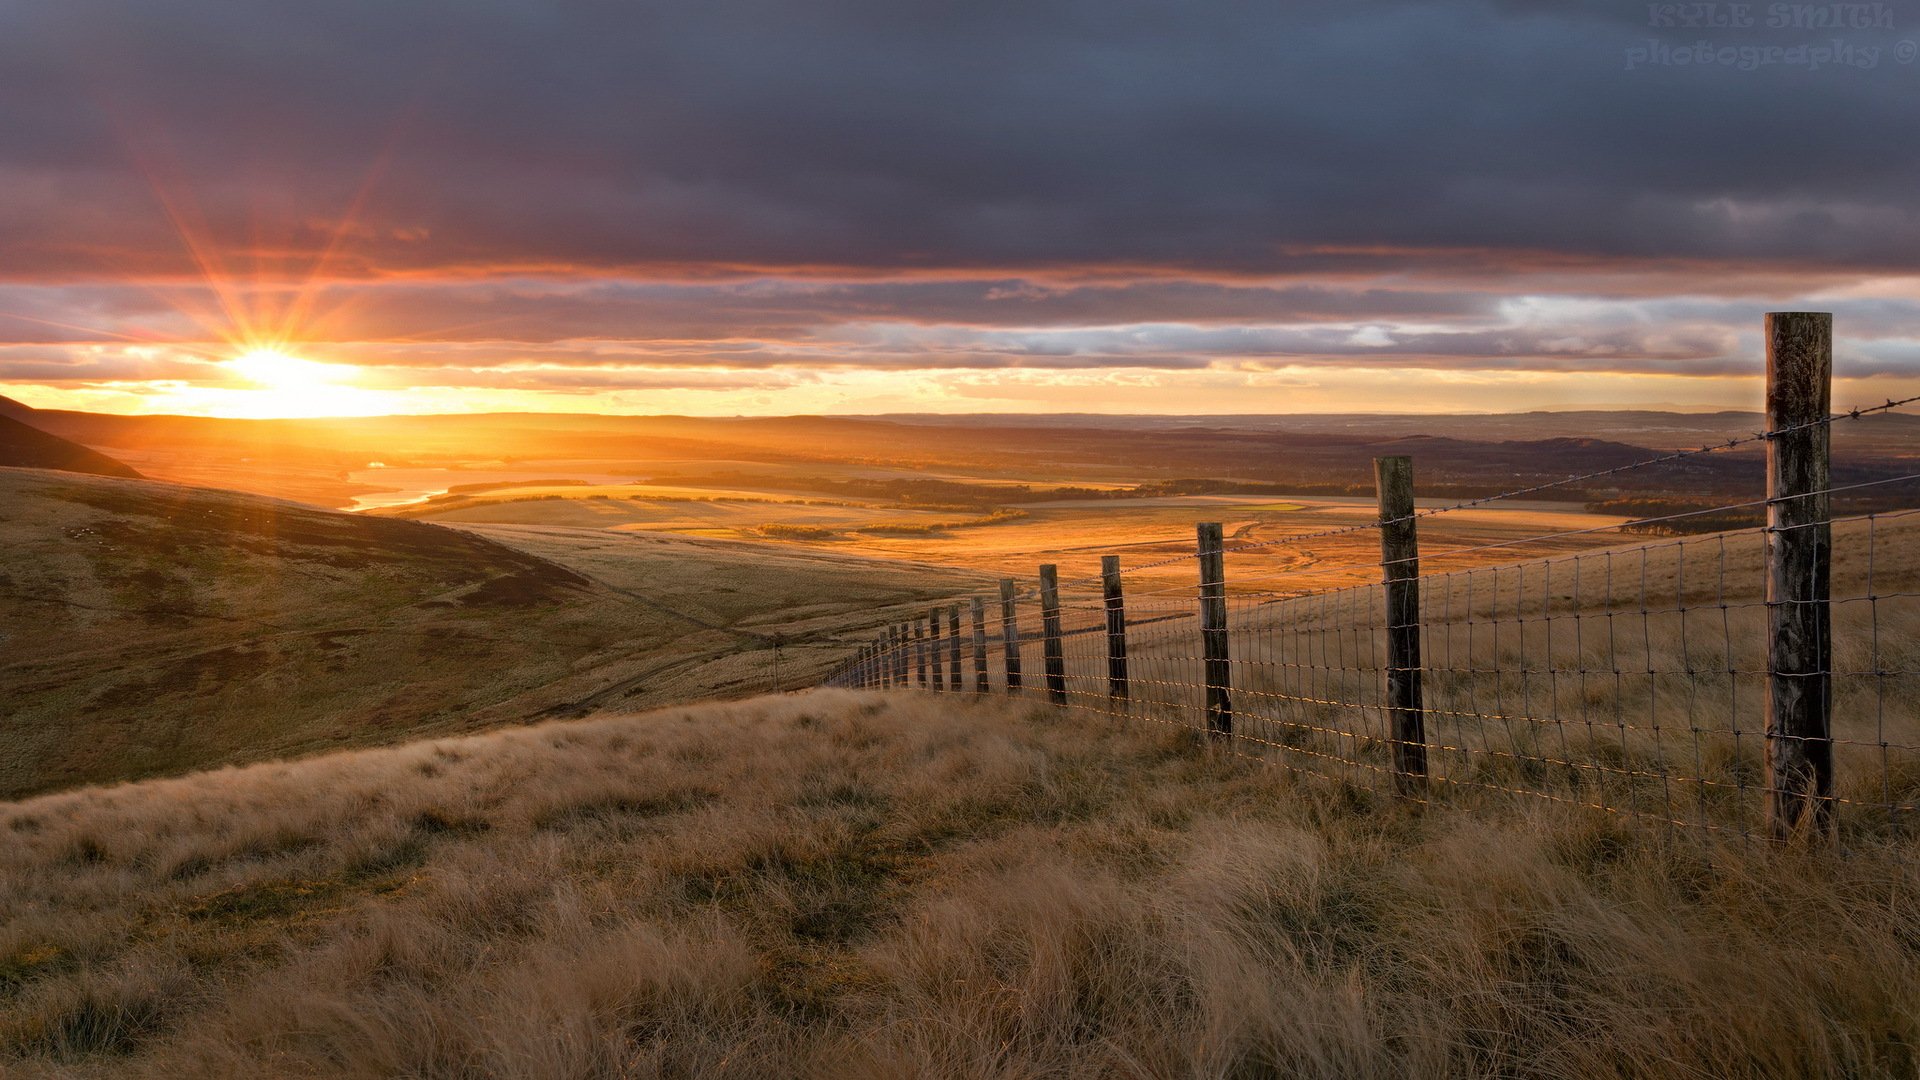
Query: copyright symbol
x=1903 y=52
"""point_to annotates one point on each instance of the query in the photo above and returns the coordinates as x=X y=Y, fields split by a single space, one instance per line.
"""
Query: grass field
x=841 y=885
x=834 y=884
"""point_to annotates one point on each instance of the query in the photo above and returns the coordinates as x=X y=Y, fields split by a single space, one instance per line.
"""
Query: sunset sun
x=279 y=384
x=278 y=371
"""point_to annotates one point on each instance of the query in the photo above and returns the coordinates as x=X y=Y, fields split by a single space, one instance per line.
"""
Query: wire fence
x=1723 y=681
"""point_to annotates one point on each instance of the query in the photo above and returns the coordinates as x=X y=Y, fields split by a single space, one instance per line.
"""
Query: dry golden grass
x=844 y=885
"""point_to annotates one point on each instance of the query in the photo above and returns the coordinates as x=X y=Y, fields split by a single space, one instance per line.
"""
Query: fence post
x=979 y=613
x=933 y=649
x=1213 y=628
x=1010 y=634
x=1799 y=742
x=1116 y=627
x=1400 y=561
x=953 y=647
x=1050 y=648
x=900 y=655
x=920 y=648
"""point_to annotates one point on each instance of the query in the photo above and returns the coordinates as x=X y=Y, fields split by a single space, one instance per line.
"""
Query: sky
x=865 y=206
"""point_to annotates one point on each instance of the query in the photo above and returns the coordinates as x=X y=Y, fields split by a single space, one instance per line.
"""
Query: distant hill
x=23 y=446
x=151 y=628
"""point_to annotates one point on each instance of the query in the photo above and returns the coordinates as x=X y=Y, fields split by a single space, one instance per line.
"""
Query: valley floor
x=847 y=885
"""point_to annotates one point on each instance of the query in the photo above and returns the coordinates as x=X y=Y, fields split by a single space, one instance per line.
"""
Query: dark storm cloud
x=1209 y=137
x=545 y=310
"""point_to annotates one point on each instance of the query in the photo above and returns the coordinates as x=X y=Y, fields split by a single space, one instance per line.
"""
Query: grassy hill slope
x=150 y=628
x=840 y=885
x=23 y=446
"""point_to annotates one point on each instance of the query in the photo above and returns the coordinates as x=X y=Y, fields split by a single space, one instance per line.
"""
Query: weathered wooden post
x=933 y=649
x=979 y=613
x=1010 y=634
x=900 y=655
x=953 y=647
x=920 y=649
x=1212 y=551
x=1400 y=560
x=1116 y=627
x=862 y=667
x=1050 y=645
x=1799 y=546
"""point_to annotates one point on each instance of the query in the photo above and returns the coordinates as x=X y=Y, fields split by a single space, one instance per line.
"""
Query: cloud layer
x=559 y=189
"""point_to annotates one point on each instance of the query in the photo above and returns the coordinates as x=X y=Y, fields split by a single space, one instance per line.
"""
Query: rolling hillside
x=150 y=628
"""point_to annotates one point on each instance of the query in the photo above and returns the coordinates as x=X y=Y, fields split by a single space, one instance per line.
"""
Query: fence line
x=1763 y=681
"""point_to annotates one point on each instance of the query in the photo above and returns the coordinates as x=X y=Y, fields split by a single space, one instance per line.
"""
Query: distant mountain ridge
x=23 y=446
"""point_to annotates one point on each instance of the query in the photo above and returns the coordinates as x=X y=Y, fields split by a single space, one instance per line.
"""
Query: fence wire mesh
x=1631 y=679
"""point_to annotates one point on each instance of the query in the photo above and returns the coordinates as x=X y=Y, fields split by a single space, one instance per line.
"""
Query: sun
x=274 y=370
x=279 y=384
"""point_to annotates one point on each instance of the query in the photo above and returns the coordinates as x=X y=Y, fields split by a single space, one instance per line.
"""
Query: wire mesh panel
x=1629 y=679
x=1634 y=679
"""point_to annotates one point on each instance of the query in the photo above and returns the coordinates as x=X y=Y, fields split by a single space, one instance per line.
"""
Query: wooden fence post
x=979 y=613
x=1400 y=560
x=1010 y=634
x=953 y=647
x=1213 y=629
x=1116 y=627
x=1799 y=740
x=900 y=655
x=1050 y=646
x=920 y=649
x=933 y=648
